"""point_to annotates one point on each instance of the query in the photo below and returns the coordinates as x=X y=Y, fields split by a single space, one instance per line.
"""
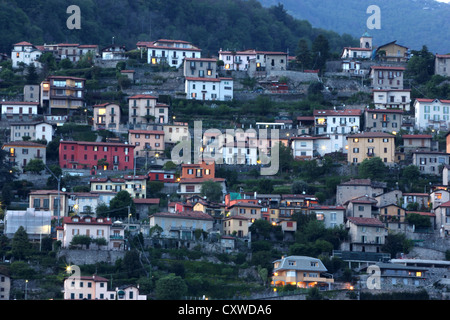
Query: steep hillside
x=412 y=23
x=210 y=24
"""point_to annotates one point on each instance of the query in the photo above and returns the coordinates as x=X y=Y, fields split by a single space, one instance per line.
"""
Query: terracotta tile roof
x=371 y=222
x=432 y=100
x=370 y=135
x=147 y=131
x=83 y=220
x=387 y=68
x=196 y=215
x=200 y=180
x=19 y=103
x=245 y=204
x=142 y=96
x=23 y=43
x=25 y=144
x=384 y=110
x=147 y=201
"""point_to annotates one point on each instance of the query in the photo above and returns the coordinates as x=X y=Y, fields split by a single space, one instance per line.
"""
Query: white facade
x=34 y=130
x=92 y=227
x=171 y=52
x=18 y=109
x=337 y=121
x=303 y=147
x=27 y=53
x=236 y=60
x=395 y=99
x=96 y=288
x=330 y=143
x=356 y=53
x=181 y=225
x=432 y=113
x=220 y=89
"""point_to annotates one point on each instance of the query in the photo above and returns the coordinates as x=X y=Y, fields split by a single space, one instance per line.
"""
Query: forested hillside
x=412 y=23
x=209 y=24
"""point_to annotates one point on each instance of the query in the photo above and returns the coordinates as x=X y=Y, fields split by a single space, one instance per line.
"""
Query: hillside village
x=281 y=176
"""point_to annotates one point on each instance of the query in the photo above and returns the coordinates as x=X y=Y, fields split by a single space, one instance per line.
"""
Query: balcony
x=370 y=154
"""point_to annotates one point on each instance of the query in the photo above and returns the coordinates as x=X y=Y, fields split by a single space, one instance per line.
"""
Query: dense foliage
x=209 y=24
x=421 y=21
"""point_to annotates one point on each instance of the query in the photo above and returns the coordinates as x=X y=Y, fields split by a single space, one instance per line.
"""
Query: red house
x=96 y=155
x=163 y=176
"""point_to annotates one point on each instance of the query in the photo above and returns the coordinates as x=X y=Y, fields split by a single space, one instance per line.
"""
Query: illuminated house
x=145 y=109
x=337 y=121
x=172 y=52
x=96 y=288
x=62 y=92
x=300 y=271
x=106 y=116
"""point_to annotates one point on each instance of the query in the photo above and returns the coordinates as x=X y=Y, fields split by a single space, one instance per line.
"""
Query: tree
x=35 y=166
x=261 y=228
x=119 y=205
x=212 y=190
x=81 y=240
x=170 y=287
x=421 y=222
x=396 y=243
x=320 y=52
x=20 y=244
x=303 y=54
x=421 y=65
x=102 y=210
x=373 y=168
x=131 y=264
x=32 y=76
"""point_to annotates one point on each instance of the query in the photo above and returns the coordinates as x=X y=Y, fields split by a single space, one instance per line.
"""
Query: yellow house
x=300 y=271
x=236 y=225
x=135 y=185
x=394 y=217
x=367 y=145
x=248 y=210
x=392 y=52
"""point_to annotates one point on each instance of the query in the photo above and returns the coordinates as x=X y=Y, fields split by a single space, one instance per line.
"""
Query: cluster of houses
x=364 y=207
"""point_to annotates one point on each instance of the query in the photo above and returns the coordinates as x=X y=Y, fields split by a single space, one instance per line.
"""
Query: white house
x=303 y=147
x=182 y=225
x=171 y=52
x=77 y=287
x=27 y=53
x=356 y=53
x=337 y=121
x=94 y=227
x=220 y=89
x=236 y=60
x=35 y=130
x=432 y=113
x=19 y=110
x=392 y=99
x=329 y=143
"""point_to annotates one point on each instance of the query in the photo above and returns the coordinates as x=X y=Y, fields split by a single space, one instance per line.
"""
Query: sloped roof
x=300 y=263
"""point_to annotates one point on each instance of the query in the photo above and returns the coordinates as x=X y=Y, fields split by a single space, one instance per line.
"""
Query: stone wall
x=91 y=256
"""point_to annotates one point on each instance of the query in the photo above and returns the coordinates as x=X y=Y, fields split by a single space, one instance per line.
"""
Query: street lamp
x=26 y=289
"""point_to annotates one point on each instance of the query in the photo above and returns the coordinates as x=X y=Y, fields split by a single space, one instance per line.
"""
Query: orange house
x=198 y=170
